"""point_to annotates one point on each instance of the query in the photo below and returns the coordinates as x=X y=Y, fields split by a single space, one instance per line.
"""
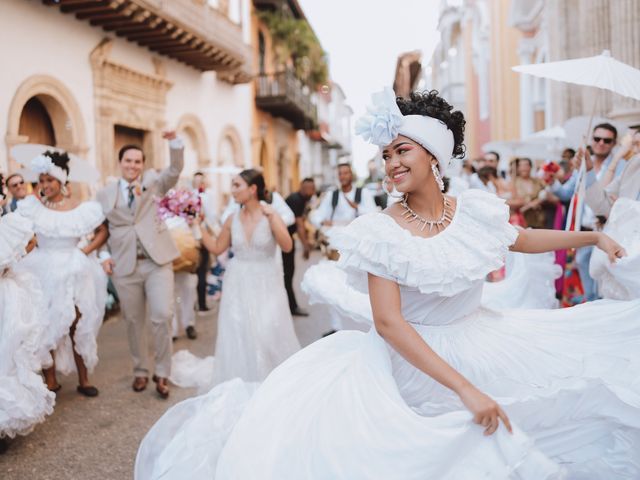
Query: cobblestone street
x=98 y=438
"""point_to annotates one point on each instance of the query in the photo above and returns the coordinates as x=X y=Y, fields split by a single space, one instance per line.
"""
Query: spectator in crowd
x=297 y=202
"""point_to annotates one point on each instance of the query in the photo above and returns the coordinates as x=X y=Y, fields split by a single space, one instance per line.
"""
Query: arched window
x=35 y=123
x=262 y=52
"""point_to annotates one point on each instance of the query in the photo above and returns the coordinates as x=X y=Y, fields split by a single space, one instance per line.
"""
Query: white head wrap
x=43 y=164
x=384 y=122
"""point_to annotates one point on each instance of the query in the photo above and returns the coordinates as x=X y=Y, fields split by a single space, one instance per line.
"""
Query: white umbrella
x=602 y=71
x=79 y=170
x=555 y=134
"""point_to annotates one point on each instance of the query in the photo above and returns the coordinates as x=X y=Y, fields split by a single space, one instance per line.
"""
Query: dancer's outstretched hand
x=485 y=410
x=612 y=248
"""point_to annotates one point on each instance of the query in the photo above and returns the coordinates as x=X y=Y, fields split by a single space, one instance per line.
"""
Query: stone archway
x=62 y=108
x=191 y=126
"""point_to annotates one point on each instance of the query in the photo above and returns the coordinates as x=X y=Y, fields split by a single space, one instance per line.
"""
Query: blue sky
x=363 y=39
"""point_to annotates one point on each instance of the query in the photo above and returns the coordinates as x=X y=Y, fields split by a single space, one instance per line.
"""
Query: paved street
x=98 y=438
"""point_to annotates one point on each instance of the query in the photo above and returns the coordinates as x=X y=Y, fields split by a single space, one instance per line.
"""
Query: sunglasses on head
x=601 y=139
x=12 y=185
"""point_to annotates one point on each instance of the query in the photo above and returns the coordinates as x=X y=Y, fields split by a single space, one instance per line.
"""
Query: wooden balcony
x=189 y=31
x=282 y=95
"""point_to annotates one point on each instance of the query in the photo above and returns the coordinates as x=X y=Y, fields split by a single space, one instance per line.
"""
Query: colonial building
x=91 y=76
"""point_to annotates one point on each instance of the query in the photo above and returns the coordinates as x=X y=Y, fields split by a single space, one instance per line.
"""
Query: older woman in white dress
x=441 y=388
x=73 y=282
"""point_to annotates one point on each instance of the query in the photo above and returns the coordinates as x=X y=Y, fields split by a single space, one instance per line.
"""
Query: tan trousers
x=150 y=286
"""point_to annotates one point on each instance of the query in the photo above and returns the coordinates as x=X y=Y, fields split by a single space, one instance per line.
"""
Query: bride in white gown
x=423 y=394
x=255 y=328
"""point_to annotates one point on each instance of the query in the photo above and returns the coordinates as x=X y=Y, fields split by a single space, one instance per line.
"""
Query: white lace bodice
x=61 y=229
x=441 y=277
x=261 y=245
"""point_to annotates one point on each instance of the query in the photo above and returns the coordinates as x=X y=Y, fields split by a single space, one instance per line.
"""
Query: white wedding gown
x=350 y=407
x=621 y=280
x=68 y=277
x=255 y=328
x=24 y=397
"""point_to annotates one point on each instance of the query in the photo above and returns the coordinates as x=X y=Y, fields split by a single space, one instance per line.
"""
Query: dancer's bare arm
x=99 y=238
x=390 y=324
x=278 y=228
x=217 y=244
x=540 y=240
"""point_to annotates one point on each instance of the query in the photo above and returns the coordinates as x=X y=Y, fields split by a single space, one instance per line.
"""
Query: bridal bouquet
x=180 y=203
x=178 y=209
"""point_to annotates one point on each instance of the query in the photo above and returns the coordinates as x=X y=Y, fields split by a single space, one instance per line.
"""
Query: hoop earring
x=437 y=176
x=64 y=191
x=392 y=192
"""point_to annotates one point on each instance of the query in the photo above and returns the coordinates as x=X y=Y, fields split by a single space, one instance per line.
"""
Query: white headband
x=384 y=122
x=43 y=164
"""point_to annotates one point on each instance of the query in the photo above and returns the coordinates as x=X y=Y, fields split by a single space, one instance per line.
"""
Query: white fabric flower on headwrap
x=384 y=121
x=380 y=125
x=43 y=164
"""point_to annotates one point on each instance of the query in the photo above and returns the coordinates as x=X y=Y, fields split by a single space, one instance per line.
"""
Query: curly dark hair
x=59 y=159
x=431 y=104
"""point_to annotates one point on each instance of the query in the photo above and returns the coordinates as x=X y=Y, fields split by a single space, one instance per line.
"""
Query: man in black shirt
x=298 y=203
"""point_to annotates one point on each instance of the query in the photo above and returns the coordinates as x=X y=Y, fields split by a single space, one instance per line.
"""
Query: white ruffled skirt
x=24 y=397
x=70 y=279
x=349 y=407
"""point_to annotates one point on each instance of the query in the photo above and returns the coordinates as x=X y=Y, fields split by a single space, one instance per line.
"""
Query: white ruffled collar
x=82 y=220
x=474 y=244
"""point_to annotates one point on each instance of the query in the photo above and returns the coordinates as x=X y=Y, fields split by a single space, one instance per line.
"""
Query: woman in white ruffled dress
x=255 y=328
x=620 y=281
x=24 y=397
x=441 y=388
x=73 y=283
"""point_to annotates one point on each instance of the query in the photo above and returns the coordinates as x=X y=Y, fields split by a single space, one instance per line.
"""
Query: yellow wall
x=275 y=128
x=505 y=86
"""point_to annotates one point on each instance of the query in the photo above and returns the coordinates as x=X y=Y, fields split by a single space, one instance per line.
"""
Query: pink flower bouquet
x=180 y=203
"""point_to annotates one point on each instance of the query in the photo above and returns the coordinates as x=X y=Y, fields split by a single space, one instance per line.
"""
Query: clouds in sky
x=363 y=39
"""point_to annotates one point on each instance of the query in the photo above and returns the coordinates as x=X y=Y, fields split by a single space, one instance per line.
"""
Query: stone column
x=595 y=36
x=526 y=50
x=625 y=46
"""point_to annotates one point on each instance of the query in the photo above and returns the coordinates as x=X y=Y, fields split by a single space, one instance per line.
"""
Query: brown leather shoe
x=162 y=386
x=140 y=384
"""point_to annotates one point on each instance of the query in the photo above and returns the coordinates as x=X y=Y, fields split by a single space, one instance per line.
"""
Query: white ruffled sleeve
x=15 y=233
x=474 y=244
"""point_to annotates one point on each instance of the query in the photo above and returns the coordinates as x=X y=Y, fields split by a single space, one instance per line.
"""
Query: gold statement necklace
x=412 y=216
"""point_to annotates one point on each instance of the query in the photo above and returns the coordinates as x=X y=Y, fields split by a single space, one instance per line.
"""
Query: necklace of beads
x=411 y=215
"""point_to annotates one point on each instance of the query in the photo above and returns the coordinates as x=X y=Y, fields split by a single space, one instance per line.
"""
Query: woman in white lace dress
x=24 y=397
x=255 y=328
x=441 y=388
x=73 y=283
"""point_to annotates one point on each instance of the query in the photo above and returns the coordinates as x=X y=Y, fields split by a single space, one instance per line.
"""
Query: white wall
x=35 y=39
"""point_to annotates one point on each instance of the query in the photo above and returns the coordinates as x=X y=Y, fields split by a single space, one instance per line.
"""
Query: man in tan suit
x=140 y=257
x=626 y=185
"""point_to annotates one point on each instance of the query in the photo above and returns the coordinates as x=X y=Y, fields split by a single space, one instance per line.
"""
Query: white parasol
x=601 y=71
x=79 y=170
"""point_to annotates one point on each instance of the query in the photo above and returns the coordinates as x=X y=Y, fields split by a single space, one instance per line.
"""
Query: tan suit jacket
x=626 y=185
x=144 y=224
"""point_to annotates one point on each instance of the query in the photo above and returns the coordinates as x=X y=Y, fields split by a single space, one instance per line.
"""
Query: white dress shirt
x=475 y=182
x=344 y=213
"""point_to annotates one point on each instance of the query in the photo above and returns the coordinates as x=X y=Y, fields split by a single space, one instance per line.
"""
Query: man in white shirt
x=343 y=205
x=490 y=159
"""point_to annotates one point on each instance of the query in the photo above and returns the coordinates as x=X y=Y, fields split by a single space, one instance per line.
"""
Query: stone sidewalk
x=97 y=438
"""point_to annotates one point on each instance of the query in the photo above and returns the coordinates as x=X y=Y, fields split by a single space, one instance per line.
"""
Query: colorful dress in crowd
x=24 y=397
x=69 y=278
x=255 y=328
x=350 y=407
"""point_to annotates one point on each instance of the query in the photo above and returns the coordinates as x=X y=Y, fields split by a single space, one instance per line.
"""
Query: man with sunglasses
x=17 y=188
x=602 y=142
